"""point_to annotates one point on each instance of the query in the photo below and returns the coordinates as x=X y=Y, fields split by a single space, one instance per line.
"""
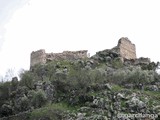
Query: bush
x=140 y=77
x=6 y=110
x=27 y=79
x=4 y=92
x=97 y=76
x=79 y=78
x=39 y=99
x=52 y=112
x=133 y=76
x=14 y=83
x=25 y=104
x=39 y=71
x=118 y=77
x=117 y=63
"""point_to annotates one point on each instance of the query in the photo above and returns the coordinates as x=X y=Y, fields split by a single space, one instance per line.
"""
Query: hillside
x=102 y=87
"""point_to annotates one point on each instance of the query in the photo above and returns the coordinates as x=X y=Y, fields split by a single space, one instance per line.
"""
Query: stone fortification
x=41 y=57
x=127 y=49
x=38 y=57
x=70 y=55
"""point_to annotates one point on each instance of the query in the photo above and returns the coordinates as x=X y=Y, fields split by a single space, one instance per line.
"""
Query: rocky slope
x=103 y=87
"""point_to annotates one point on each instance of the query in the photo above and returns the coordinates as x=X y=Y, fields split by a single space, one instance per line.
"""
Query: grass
x=154 y=94
x=52 y=111
x=116 y=88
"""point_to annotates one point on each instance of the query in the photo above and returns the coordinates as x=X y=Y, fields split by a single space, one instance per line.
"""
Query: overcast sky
x=58 y=25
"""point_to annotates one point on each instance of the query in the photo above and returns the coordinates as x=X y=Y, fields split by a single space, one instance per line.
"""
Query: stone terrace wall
x=126 y=48
x=41 y=57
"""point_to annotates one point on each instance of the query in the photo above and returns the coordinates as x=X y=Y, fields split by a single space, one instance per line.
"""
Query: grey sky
x=7 y=8
x=58 y=25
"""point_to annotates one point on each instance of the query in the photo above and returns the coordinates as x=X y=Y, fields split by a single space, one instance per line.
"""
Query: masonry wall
x=40 y=57
x=68 y=55
x=126 y=48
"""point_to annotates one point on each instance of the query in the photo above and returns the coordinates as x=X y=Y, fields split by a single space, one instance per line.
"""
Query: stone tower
x=38 y=57
x=127 y=49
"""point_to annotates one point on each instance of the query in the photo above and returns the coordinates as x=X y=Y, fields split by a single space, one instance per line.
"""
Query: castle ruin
x=41 y=57
x=125 y=49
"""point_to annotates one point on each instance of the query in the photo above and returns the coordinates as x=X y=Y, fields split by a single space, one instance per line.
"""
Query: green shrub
x=118 y=76
x=140 y=77
x=27 y=79
x=25 y=104
x=133 y=76
x=39 y=99
x=97 y=76
x=117 y=63
x=4 y=91
x=79 y=78
x=6 y=110
x=39 y=71
x=14 y=83
x=51 y=112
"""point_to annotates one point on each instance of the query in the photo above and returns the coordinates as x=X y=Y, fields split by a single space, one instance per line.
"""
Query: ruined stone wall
x=126 y=48
x=40 y=57
x=68 y=55
x=142 y=60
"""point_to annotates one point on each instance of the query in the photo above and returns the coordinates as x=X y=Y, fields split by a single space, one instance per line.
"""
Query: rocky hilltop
x=113 y=84
x=125 y=49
